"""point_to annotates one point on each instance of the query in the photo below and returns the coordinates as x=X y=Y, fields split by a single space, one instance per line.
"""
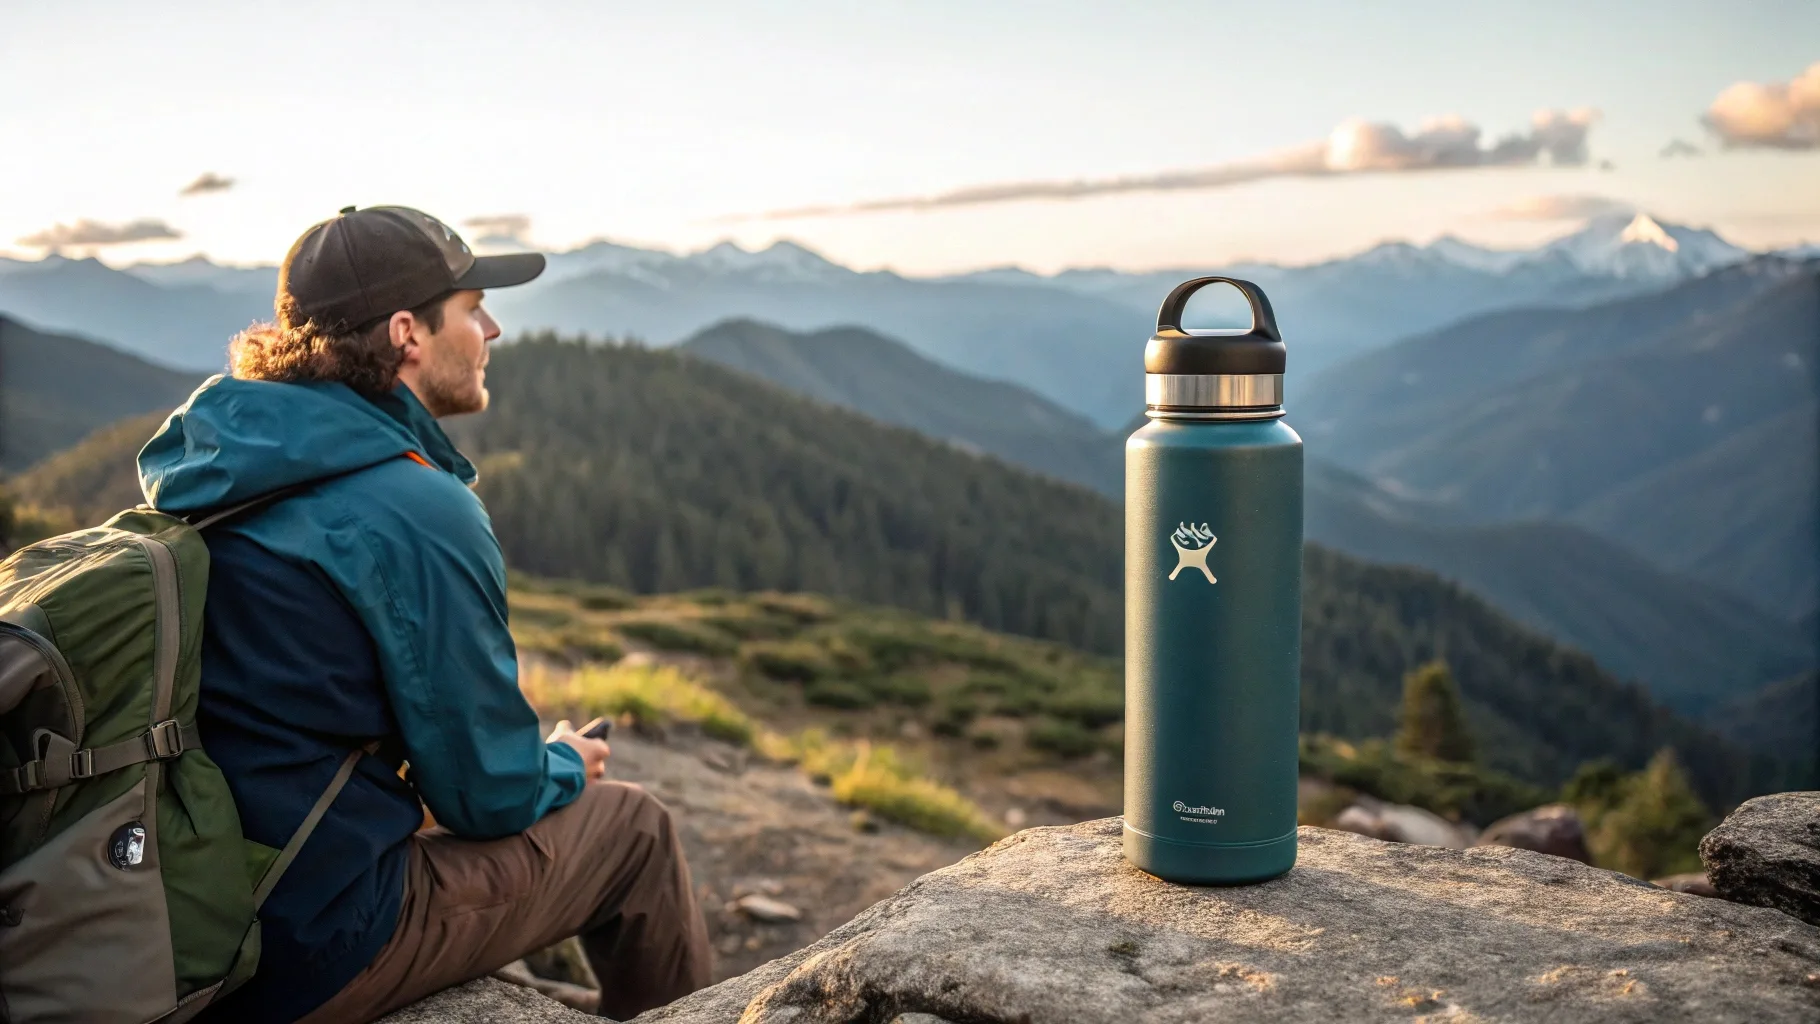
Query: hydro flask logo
x=1192 y=546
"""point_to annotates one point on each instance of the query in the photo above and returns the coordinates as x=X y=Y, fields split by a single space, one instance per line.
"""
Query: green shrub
x=535 y=616
x=590 y=645
x=1452 y=790
x=678 y=635
x=792 y=662
x=1091 y=708
x=876 y=779
x=657 y=695
x=803 y=608
x=1647 y=824
x=1061 y=736
x=839 y=693
x=905 y=689
x=601 y=598
x=751 y=625
x=956 y=713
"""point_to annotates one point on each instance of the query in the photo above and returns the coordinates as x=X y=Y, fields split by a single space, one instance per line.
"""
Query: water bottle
x=1213 y=603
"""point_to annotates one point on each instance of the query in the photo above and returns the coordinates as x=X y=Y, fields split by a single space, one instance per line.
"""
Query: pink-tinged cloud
x=88 y=233
x=209 y=181
x=1356 y=147
x=1560 y=207
x=1774 y=115
x=500 y=229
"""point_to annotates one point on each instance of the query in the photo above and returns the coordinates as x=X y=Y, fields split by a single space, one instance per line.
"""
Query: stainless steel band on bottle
x=1251 y=396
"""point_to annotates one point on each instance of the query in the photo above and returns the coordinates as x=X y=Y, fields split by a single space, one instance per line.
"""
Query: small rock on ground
x=1553 y=829
x=760 y=907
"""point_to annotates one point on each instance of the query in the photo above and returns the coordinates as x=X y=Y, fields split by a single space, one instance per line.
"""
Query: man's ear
x=403 y=330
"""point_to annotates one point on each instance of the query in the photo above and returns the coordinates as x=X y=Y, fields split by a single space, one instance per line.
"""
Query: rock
x=1694 y=883
x=488 y=1001
x=1553 y=829
x=565 y=961
x=1767 y=853
x=763 y=908
x=587 y=1000
x=1401 y=823
x=1053 y=925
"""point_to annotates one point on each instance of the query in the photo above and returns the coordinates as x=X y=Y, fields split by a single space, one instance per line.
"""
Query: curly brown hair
x=294 y=348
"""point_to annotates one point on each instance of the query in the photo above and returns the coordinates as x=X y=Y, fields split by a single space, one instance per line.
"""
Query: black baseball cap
x=369 y=263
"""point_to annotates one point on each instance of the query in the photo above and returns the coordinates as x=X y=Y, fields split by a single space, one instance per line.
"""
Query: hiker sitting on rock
x=367 y=609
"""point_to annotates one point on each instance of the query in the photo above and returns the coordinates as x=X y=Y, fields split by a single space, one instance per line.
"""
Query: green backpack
x=127 y=892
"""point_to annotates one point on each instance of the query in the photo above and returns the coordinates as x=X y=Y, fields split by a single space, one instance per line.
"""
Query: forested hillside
x=1683 y=425
x=656 y=472
x=1693 y=644
x=888 y=381
x=55 y=389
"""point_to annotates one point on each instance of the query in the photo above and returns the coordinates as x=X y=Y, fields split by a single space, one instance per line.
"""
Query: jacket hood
x=237 y=439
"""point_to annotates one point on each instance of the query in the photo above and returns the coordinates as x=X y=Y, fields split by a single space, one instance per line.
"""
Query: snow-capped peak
x=1477 y=257
x=1640 y=246
x=1643 y=229
x=783 y=260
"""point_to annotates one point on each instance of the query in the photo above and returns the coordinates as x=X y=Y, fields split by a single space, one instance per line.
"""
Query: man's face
x=447 y=370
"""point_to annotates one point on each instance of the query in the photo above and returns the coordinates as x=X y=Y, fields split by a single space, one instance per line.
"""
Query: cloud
x=208 y=182
x=1680 y=147
x=500 y=229
x=1356 y=147
x=94 y=233
x=1560 y=207
x=1775 y=115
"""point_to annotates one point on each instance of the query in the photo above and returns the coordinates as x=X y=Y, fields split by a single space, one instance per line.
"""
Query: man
x=369 y=606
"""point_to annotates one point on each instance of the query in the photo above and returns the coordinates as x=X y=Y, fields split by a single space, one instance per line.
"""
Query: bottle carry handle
x=1263 y=318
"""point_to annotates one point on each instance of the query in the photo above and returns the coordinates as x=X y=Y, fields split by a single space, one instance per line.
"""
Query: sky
x=1132 y=135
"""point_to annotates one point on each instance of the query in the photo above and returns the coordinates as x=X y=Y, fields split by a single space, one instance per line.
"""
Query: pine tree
x=1433 y=723
x=1653 y=828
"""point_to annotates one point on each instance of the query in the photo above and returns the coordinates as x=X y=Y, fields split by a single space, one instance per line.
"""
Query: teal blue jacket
x=368 y=606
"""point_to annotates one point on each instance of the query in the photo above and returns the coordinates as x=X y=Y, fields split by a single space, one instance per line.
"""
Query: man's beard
x=449 y=387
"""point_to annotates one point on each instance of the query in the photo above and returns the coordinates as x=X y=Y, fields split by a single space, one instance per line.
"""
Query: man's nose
x=488 y=326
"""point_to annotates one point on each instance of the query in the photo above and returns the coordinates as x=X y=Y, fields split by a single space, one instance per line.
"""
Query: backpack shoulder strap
x=269 y=880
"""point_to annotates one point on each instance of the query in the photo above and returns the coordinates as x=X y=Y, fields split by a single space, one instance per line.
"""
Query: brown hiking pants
x=608 y=867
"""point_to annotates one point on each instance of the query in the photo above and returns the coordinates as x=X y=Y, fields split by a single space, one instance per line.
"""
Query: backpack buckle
x=23 y=779
x=165 y=741
x=82 y=764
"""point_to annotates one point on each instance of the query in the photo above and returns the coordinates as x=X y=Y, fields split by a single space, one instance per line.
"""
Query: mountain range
x=657 y=472
x=56 y=389
x=1683 y=425
x=1075 y=337
x=1691 y=642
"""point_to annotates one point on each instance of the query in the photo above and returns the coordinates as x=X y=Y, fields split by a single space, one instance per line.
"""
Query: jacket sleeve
x=434 y=599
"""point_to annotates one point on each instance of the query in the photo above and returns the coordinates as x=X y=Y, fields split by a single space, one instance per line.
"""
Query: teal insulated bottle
x=1213 y=603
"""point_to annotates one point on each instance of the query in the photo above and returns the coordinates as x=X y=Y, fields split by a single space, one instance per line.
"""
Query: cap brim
x=501 y=271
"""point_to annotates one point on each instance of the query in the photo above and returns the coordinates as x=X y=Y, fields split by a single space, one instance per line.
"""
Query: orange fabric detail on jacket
x=420 y=460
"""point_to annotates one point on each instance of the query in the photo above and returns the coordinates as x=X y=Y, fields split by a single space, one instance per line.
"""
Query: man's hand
x=593 y=752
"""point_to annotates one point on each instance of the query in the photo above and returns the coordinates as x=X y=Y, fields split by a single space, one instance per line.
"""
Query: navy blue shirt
x=290 y=684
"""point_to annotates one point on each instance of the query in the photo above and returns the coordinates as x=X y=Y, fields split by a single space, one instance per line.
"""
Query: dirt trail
x=753 y=827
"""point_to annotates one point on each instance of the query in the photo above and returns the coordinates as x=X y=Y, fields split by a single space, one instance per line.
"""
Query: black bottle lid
x=1175 y=351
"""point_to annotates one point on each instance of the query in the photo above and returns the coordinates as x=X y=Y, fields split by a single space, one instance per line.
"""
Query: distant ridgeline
x=656 y=472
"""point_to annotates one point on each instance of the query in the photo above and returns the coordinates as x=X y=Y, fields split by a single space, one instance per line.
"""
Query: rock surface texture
x=1767 y=853
x=1051 y=925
